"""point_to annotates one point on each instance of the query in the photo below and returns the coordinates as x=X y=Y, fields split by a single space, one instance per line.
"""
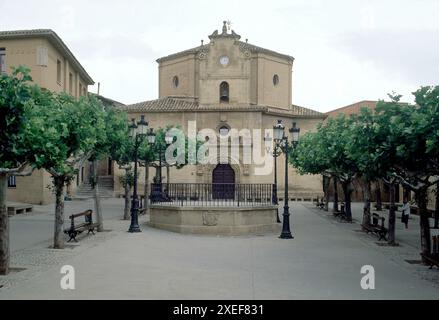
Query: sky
x=345 y=50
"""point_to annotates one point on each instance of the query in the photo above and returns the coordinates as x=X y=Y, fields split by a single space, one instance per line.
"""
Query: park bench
x=14 y=209
x=414 y=210
x=342 y=213
x=76 y=229
x=320 y=204
x=432 y=259
x=378 y=229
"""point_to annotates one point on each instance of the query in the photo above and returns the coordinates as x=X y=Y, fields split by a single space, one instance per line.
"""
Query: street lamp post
x=138 y=133
x=275 y=153
x=169 y=139
x=281 y=140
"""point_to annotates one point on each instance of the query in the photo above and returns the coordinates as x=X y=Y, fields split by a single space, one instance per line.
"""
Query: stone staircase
x=106 y=188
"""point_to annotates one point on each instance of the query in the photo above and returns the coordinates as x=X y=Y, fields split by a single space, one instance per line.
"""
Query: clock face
x=224 y=60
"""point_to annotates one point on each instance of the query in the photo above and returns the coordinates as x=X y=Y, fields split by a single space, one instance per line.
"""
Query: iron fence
x=212 y=194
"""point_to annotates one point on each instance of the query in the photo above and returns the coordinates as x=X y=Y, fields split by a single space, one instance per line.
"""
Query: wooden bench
x=378 y=229
x=76 y=229
x=18 y=209
x=415 y=211
x=431 y=259
x=320 y=204
x=342 y=213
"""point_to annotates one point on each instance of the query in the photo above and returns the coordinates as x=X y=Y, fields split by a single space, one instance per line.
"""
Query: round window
x=175 y=81
x=275 y=79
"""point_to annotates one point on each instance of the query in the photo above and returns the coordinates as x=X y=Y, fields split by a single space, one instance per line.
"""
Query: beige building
x=222 y=85
x=353 y=108
x=53 y=67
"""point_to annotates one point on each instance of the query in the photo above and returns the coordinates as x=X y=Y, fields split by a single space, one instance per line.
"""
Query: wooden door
x=223 y=182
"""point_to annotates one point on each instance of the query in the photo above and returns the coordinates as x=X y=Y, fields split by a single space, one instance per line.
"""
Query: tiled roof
x=170 y=104
x=55 y=40
x=306 y=111
x=162 y=105
x=108 y=101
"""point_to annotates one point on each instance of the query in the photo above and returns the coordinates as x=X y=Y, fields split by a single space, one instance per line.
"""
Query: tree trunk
x=126 y=212
x=379 y=205
x=335 y=208
x=347 y=199
x=392 y=215
x=366 y=207
x=421 y=199
x=4 y=226
x=69 y=189
x=146 y=192
x=436 y=209
x=97 y=199
x=58 y=239
x=326 y=182
x=168 y=176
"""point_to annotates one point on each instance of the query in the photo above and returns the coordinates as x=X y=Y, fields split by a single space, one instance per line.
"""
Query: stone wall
x=215 y=221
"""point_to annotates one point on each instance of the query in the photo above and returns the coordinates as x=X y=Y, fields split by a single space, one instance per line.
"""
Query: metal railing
x=212 y=194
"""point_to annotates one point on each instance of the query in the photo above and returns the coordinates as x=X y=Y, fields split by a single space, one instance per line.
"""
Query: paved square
x=323 y=261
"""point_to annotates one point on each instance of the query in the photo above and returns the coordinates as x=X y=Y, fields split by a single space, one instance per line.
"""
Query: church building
x=223 y=85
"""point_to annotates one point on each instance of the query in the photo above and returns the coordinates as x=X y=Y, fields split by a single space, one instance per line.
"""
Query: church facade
x=225 y=85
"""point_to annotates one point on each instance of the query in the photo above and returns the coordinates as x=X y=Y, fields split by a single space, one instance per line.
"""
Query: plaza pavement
x=323 y=261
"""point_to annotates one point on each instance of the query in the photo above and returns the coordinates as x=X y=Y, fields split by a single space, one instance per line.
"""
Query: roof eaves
x=350 y=105
x=183 y=53
x=54 y=40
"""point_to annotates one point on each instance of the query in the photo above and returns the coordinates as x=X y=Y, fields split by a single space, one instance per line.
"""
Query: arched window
x=175 y=81
x=224 y=92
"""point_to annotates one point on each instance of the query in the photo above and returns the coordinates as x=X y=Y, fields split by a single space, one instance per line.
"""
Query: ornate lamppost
x=138 y=132
x=281 y=141
x=275 y=152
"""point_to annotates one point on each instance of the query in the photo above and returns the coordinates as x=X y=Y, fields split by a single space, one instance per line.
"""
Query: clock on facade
x=224 y=60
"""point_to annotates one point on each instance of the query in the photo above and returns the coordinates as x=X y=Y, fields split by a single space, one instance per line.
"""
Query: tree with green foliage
x=338 y=134
x=412 y=147
x=361 y=148
x=121 y=150
x=15 y=93
x=333 y=138
x=111 y=138
x=308 y=158
x=151 y=154
x=62 y=134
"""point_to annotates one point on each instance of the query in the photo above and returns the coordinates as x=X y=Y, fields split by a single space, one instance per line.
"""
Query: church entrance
x=223 y=182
